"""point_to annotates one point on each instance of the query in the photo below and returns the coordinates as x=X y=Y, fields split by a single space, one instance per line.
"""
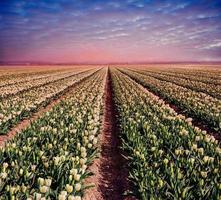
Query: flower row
x=50 y=158
x=21 y=86
x=17 y=107
x=213 y=90
x=168 y=157
x=207 y=75
x=9 y=77
x=197 y=104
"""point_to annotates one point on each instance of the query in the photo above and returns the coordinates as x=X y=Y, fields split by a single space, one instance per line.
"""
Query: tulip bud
x=83 y=154
x=73 y=171
x=203 y=174
x=206 y=159
x=77 y=198
x=46 y=164
x=77 y=177
x=41 y=153
x=179 y=175
x=37 y=196
x=82 y=161
x=83 y=149
x=70 y=178
x=61 y=197
x=160 y=183
x=94 y=141
x=84 y=167
x=69 y=188
x=20 y=153
x=5 y=165
x=41 y=181
x=211 y=159
x=91 y=137
x=33 y=168
x=201 y=151
x=137 y=153
x=21 y=172
x=48 y=182
x=160 y=152
x=177 y=152
x=43 y=189
x=56 y=161
x=13 y=164
x=165 y=161
x=23 y=188
x=153 y=148
x=77 y=187
x=71 y=197
x=13 y=145
x=78 y=146
x=12 y=190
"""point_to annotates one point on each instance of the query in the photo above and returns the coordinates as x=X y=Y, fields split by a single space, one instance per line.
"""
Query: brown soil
x=110 y=169
x=26 y=122
x=196 y=122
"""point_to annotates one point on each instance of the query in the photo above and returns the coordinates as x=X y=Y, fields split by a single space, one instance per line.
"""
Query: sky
x=99 y=31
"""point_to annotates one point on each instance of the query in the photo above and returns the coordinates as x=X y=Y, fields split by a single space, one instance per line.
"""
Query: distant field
x=144 y=131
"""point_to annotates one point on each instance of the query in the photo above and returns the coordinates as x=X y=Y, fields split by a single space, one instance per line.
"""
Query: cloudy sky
x=110 y=31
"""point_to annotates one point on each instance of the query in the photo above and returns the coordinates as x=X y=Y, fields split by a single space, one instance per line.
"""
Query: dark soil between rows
x=26 y=122
x=195 y=121
x=110 y=170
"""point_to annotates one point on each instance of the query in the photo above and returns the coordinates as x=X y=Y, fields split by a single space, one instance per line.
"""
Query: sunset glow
x=109 y=31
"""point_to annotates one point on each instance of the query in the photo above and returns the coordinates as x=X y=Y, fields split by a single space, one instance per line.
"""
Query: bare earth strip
x=43 y=84
x=109 y=169
x=198 y=123
x=26 y=122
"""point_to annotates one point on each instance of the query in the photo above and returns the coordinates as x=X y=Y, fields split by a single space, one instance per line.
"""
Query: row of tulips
x=213 y=90
x=197 y=104
x=207 y=74
x=50 y=158
x=7 y=72
x=8 y=77
x=205 y=78
x=168 y=157
x=25 y=85
x=16 y=108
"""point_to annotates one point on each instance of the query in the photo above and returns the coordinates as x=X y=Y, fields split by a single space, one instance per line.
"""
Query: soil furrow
x=109 y=170
x=41 y=85
x=26 y=122
x=196 y=122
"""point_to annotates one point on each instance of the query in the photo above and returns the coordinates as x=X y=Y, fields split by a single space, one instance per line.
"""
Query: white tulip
x=77 y=187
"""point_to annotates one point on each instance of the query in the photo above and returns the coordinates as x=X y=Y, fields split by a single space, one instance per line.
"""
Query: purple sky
x=110 y=31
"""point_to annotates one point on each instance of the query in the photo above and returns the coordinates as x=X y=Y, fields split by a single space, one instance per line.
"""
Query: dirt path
x=196 y=122
x=109 y=170
x=26 y=122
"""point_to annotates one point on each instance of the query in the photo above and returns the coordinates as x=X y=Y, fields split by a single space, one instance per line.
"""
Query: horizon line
x=104 y=63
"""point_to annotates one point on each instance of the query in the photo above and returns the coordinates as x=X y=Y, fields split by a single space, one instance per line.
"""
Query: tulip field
x=167 y=118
